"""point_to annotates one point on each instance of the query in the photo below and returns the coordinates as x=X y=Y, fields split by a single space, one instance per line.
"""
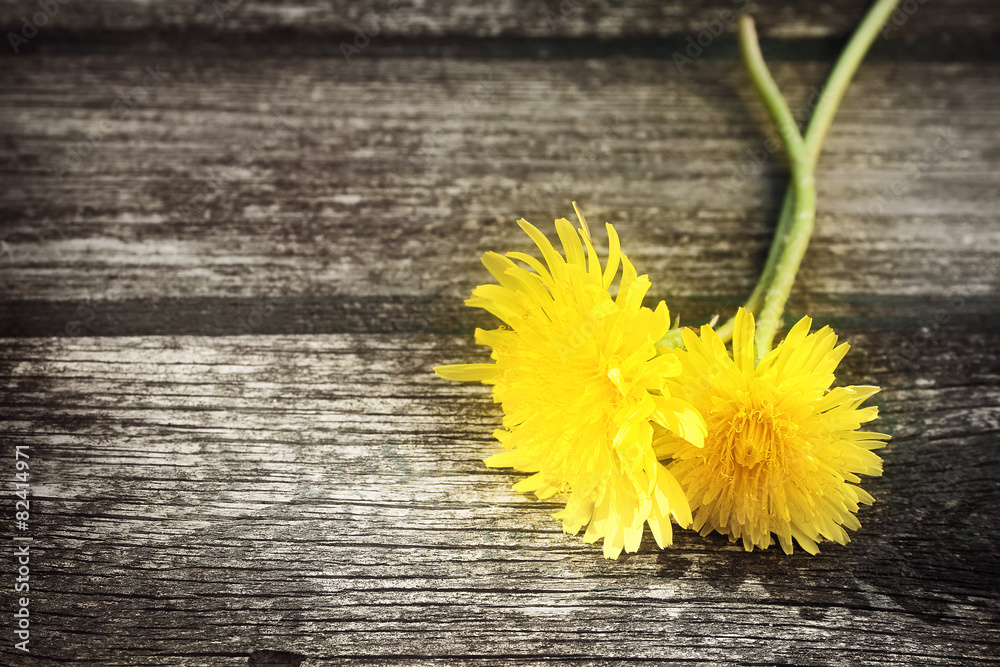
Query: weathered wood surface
x=242 y=180
x=200 y=499
x=951 y=21
x=311 y=494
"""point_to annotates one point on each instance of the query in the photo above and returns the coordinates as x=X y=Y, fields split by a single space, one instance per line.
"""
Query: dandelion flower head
x=580 y=379
x=783 y=450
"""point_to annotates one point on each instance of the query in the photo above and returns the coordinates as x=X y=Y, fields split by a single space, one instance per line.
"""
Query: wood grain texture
x=958 y=19
x=230 y=255
x=197 y=500
x=263 y=179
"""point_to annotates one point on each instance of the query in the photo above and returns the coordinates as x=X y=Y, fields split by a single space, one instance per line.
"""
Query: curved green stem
x=802 y=179
x=819 y=125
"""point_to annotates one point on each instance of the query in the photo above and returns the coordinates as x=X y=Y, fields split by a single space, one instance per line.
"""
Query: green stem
x=819 y=125
x=804 y=187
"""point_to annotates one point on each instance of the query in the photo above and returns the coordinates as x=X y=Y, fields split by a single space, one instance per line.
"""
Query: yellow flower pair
x=633 y=423
x=632 y=432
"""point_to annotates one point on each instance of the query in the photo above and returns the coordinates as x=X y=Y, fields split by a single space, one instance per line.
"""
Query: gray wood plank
x=305 y=179
x=184 y=169
x=958 y=19
x=197 y=500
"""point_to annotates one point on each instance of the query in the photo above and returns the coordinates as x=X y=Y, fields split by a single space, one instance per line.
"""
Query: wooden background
x=230 y=256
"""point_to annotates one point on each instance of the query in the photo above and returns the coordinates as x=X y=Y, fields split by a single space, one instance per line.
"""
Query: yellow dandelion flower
x=580 y=381
x=783 y=450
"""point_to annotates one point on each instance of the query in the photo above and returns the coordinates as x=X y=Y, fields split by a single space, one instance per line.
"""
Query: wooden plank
x=304 y=179
x=959 y=19
x=182 y=172
x=200 y=500
x=309 y=315
x=289 y=315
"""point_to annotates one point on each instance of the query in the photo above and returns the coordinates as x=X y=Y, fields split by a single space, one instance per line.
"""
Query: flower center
x=615 y=375
x=755 y=433
x=752 y=435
